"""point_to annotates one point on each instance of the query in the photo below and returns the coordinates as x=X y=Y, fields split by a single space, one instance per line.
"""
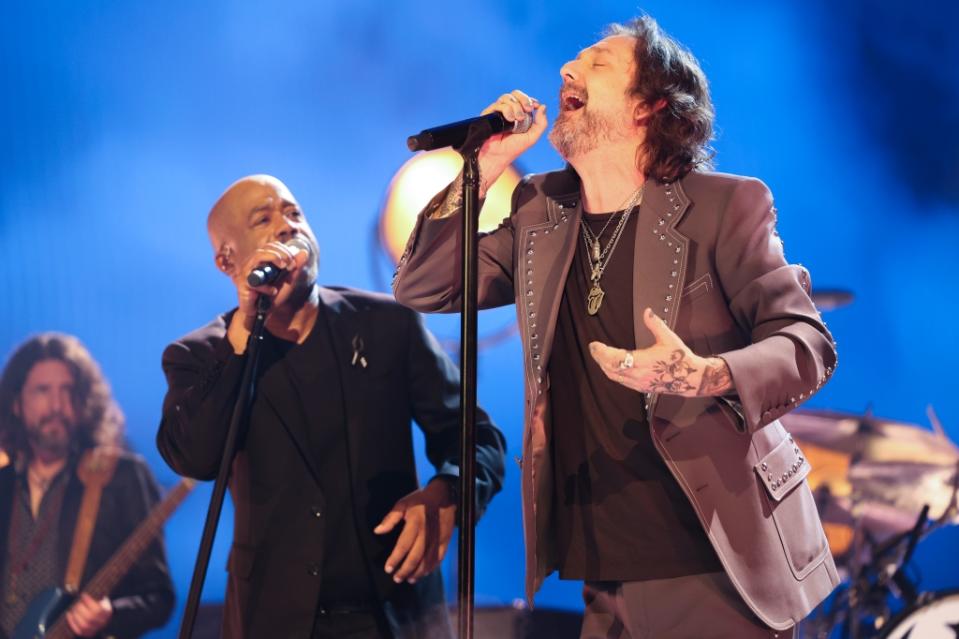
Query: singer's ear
x=644 y=111
x=224 y=261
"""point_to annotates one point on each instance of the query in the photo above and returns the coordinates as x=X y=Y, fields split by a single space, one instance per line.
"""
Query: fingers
x=431 y=556
x=422 y=543
x=539 y=120
x=611 y=361
x=281 y=256
x=607 y=357
x=515 y=106
x=658 y=327
x=87 y=617
x=417 y=550
x=389 y=522
x=404 y=545
x=404 y=541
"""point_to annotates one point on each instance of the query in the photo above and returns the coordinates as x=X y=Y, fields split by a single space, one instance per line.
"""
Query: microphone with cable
x=455 y=134
x=267 y=273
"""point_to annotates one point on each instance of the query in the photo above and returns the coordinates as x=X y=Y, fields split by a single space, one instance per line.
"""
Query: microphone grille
x=301 y=244
x=522 y=126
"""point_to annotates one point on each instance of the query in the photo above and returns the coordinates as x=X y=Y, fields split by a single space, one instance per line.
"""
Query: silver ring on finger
x=627 y=362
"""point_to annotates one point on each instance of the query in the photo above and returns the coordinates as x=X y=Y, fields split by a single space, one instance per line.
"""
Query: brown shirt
x=619 y=513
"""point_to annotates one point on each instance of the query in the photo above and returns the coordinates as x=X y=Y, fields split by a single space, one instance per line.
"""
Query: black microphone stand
x=468 y=325
x=235 y=435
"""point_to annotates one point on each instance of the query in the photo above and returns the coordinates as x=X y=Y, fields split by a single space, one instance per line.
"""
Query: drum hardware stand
x=872 y=582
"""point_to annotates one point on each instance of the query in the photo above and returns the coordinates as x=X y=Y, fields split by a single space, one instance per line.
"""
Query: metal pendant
x=595 y=253
x=595 y=299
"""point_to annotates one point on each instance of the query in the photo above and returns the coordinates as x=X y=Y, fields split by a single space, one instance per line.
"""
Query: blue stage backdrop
x=123 y=121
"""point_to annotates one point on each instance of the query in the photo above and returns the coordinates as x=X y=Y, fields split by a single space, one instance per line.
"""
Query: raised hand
x=276 y=253
x=500 y=150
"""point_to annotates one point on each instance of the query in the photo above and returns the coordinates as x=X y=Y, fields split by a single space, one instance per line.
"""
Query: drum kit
x=881 y=487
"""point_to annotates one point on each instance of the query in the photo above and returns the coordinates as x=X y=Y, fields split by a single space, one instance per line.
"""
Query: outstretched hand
x=668 y=366
x=428 y=516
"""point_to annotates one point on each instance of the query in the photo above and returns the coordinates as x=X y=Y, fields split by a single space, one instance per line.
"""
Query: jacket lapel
x=544 y=253
x=348 y=340
x=659 y=259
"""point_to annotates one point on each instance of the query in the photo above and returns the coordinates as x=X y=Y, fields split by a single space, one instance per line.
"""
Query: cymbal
x=873 y=472
x=827 y=299
x=869 y=438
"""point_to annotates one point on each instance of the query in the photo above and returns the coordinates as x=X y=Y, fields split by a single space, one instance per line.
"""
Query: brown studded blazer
x=709 y=261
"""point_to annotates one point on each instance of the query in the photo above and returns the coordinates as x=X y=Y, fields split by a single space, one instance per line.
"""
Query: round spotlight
x=418 y=180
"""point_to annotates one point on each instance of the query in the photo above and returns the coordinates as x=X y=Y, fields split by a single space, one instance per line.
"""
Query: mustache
x=578 y=90
x=56 y=416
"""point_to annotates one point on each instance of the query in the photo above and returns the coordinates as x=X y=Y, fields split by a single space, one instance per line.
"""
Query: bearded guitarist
x=70 y=496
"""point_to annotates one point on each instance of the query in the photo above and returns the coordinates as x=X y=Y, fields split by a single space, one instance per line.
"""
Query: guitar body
x=42 y=613
x=43 y=617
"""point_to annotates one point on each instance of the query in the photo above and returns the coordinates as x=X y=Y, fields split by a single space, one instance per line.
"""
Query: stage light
x=424 y=175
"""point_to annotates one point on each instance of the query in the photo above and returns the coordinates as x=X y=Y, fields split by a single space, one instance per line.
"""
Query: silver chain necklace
x=599 y=260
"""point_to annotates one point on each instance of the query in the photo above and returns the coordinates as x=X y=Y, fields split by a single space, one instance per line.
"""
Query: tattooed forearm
x=717 y=380
x=446 y=207
x=673 y=377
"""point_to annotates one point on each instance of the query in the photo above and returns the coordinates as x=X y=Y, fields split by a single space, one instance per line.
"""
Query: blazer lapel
x=349 y=339
x=544 y=254
x=659 y=259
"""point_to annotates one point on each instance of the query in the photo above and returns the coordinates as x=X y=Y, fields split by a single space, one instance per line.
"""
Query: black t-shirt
x=344 y=575
x=619 y=514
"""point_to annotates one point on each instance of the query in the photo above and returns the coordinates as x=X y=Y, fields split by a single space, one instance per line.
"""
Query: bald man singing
x=333 y=534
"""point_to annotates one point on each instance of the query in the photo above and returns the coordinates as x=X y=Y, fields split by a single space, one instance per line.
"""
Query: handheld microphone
x=455 y=134
x=267 y=273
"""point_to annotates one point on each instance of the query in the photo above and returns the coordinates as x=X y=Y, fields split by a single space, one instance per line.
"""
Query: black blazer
x=144 y=598
x=273 y=586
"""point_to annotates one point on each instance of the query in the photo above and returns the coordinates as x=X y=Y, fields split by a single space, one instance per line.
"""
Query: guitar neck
x=113 y=571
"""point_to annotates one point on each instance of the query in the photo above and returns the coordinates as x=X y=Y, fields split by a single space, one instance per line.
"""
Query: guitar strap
x=95 y=471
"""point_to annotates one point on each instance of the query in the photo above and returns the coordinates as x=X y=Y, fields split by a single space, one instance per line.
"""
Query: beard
x=576 y=133
x=52 y=434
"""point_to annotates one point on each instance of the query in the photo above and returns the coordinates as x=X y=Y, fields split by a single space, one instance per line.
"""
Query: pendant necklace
x=599 y=257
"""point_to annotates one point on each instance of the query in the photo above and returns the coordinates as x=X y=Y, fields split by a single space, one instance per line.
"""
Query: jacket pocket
x=698 y=287
x=782 y=473
x=733 y=411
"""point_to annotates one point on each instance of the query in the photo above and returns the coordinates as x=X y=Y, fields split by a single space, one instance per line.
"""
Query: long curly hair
x=678 y=134
x=99 y=419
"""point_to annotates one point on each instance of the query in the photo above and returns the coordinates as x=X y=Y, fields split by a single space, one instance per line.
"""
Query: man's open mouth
x=572 y=102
